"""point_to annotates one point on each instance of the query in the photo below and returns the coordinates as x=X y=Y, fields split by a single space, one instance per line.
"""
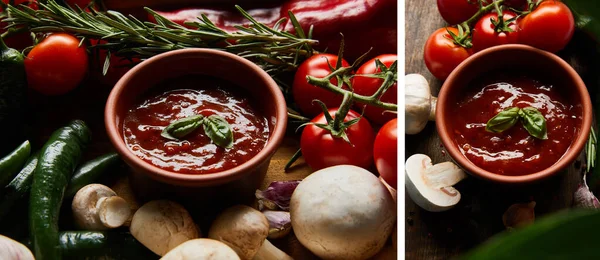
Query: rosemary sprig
x=590 y=150
x=125 y=36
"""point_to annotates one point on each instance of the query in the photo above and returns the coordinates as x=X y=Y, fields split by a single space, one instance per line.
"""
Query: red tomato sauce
x=514 y=151
x=196 y=153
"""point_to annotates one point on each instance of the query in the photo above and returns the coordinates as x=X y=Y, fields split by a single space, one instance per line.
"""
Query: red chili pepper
x=364 y=23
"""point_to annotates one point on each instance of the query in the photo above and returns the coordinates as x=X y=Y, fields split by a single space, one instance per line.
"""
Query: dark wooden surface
x=478 y=216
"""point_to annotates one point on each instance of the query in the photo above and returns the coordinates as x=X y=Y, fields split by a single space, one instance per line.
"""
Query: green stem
x=483 y=10
x=298 y=117
x=326 y=84
x=340 y=115
x=387 y=83
x=292 y=160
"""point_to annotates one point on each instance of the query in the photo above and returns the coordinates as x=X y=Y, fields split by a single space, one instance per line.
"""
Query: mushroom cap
x=201 y=248
x=430 y=186
x=84 y=206
x=342 y=212
x=162 y=225
x=242 y=228
x=418 y=103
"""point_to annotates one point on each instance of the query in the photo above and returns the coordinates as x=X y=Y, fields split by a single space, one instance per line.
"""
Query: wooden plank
x=479 y=214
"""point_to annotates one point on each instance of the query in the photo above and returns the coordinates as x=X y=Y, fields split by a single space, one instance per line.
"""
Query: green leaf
x=534 y=122
x=219 y=131
x=503 y=120
x=182 y=127
x=571 y=234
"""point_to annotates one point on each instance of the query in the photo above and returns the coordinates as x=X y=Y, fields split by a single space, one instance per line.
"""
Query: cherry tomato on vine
x=321 y=149
x=385 y=152
x=550 y=26
x=485 y=33
x=457 y=11
x=442 y=55
x=56 y=65
x=304 y=93
x=367 y=86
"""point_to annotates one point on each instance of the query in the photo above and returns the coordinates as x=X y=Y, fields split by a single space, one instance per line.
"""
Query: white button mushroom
x=201 y=248
x=97 y=207
x=342 y=212
x=430 y=186
x=419 y=105
x=162 y=225
x=245 y=230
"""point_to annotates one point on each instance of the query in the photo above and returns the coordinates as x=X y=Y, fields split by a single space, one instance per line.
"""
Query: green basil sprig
x=532 y=119
x=215 y=127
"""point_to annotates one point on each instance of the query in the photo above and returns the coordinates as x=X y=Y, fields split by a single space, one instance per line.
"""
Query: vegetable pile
x=342 y=97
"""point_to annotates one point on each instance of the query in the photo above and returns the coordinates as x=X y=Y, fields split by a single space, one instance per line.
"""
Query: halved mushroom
x=419 y=106
x=245 y=230
x=430 y=186
x=97 y=207
x=162 y=225
x=201 y=248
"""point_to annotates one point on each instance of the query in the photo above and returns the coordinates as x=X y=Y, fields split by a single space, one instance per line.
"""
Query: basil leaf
x=503 y=120
x=534 y=122
x=182 y=127
x=219 y=131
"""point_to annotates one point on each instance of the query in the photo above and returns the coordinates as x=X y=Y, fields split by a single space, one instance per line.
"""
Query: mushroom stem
x=269 y=252
x=433 y=105
x=113 y=211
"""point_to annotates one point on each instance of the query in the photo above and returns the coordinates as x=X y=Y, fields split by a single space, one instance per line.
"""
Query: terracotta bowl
x=512 y=56
x=149 y=181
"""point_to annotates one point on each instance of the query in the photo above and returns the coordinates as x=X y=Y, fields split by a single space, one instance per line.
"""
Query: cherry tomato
x=485 y=35
x=442 y=55
x=321 y=150
x=368 y=86
x=457 y=11
x=56 y=65
x=550 y=26
x=304 y=93
x=385 y=152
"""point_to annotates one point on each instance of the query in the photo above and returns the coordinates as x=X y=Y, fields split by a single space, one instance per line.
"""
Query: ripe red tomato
x=56 y=65
x=442 y=55
x=385 y=152
x=368 y=86
x=457 y=11
x=321 y=150
x=550 y=26
x=485 y=35
x=304 y=93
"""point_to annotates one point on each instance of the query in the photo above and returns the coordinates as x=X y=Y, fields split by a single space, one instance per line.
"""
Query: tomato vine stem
x=370 y=100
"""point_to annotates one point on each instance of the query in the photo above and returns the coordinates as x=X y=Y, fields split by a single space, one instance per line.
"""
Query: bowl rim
x=570 y=155
x=275 y=138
